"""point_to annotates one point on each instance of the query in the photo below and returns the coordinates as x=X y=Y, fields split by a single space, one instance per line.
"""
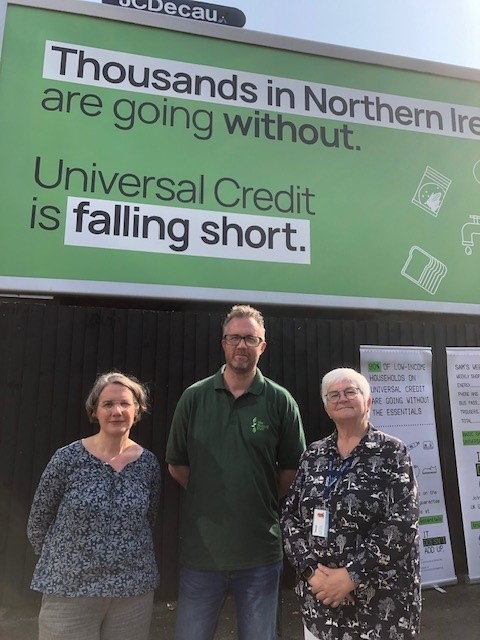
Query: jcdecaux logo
x=191 y=10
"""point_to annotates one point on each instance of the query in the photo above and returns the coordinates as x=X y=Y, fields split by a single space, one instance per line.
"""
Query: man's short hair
x=244 y=311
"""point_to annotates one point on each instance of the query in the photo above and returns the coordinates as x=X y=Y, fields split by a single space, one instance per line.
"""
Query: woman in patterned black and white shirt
x=91 y=524
x=350 y=525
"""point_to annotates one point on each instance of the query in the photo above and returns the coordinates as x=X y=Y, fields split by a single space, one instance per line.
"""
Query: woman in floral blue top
x=350 y=525
x=91 y=524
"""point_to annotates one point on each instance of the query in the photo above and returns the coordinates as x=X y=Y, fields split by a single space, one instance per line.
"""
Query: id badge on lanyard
x=321 y=516
x=320 y=523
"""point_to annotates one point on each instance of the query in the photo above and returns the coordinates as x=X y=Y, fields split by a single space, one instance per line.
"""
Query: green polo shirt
x=234 y=448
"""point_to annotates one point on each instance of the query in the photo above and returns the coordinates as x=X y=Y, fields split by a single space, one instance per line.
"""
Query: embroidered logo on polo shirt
x=258 y=425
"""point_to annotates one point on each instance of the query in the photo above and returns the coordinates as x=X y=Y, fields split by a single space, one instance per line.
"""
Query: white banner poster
x=463 y=367
x=402 y=394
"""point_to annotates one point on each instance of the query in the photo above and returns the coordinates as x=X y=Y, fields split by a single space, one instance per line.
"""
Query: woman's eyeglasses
x=349 y=393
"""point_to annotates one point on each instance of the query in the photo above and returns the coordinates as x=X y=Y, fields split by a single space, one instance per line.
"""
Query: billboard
x=143 y=159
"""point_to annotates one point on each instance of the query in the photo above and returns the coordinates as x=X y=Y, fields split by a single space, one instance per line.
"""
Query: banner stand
x=463 y=370
x=401 y=383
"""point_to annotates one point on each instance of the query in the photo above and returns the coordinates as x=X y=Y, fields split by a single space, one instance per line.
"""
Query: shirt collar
x=256 y=387
x=368 y=440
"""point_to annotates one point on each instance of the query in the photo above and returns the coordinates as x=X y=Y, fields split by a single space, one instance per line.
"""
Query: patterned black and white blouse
x=373 y=533
x=92 y=526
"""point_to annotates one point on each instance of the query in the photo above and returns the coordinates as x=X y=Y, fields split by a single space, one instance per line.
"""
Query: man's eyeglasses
x=234 y=340
x=349 y=393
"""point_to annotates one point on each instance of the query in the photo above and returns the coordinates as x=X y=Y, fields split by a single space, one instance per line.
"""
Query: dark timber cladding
x=50 y=355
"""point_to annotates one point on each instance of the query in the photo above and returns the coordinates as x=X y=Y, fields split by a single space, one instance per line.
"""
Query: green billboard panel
x=139 y=160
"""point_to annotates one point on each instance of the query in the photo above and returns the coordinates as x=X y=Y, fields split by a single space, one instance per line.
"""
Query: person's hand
x=332 y=587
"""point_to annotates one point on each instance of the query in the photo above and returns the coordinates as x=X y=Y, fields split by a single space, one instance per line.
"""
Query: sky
x=445 y=31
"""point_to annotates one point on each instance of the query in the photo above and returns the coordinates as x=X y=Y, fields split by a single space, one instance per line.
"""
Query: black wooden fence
x=50 y=354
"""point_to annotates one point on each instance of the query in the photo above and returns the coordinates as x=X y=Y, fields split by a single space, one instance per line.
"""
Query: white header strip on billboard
x=109 y=224
x=92 y=66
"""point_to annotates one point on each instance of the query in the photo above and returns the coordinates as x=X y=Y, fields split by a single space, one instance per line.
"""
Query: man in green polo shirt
x=234 y=445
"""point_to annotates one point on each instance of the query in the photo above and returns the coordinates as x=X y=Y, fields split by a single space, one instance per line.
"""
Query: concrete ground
x=452 y=615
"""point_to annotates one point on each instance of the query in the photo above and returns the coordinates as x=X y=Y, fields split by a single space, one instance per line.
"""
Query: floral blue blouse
x=373 y=533
x=92 y=526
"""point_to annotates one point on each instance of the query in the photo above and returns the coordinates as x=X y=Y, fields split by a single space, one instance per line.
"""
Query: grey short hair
x=344 y=373
x=139 y=391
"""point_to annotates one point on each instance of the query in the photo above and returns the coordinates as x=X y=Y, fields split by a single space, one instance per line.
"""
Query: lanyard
x=334 y=473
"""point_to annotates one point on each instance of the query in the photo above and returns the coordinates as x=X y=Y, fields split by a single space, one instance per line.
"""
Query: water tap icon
x=469 y=230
